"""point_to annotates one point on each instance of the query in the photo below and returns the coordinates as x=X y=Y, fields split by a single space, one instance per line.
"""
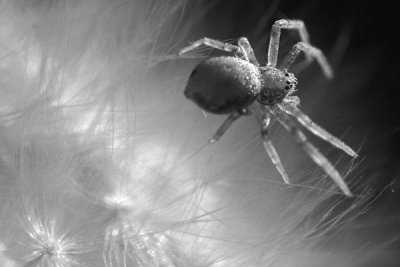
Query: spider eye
x=291 y=81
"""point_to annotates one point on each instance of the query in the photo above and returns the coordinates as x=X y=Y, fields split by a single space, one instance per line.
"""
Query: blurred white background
x=105 y=163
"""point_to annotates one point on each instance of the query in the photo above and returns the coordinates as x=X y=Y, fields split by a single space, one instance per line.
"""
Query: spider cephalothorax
x=275 y=86
x=238 y=85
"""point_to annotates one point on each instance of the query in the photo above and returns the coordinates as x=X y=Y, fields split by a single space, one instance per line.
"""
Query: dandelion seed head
x=46 y=245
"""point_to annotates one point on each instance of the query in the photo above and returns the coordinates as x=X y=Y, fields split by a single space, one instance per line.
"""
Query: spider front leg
x=227 y=123
x=276 y=35
x=310 y=51
x=211 y=43
x=304 y=120
x=312 y=151
x=269 y=147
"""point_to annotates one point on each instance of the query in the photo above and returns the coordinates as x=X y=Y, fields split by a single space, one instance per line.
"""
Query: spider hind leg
x=228 y=123
x=304 y=120
x=269 y=147
x=210 y=43
x=247 y=51
x=312 y=151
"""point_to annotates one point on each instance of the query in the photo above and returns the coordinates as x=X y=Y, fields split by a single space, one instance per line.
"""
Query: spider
x=237 y=85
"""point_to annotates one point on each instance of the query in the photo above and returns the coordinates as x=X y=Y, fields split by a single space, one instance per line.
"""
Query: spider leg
x=269 y=147
x=227 y=123
x=312 y=151
x=211 y=43
x=276 y=35
x=304 y=120
x=248 y=51
x=310 y=51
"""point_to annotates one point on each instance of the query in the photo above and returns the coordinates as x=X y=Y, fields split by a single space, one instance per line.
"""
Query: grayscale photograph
x=199 y=133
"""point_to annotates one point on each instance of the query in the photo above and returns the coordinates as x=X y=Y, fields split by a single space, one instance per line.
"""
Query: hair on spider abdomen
x=221 y=85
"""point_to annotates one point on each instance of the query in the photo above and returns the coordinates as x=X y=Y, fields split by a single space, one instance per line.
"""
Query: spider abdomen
x=223 y=84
